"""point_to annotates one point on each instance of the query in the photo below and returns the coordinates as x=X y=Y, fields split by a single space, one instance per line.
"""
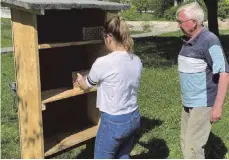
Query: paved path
x=157 y=28
x=155 y=31
x=6 y=50
x=5 y=12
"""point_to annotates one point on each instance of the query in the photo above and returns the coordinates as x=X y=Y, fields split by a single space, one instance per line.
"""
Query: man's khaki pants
x=195 y=130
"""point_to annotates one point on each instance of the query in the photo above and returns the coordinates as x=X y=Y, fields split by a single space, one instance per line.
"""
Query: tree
x=142 y=5
x=130 y=13
x=175 y=3
x=212 y=7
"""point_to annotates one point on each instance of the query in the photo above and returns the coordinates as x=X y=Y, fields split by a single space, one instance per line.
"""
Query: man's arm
x=216 y=112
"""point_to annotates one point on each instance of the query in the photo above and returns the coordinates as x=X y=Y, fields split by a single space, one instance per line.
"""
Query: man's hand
x=216 y=113
x=217 y=109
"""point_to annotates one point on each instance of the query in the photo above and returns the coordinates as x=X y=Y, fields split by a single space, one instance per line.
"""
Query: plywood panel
x=65 y=118
x=63 y=93
x=65 y=142
x=28 y=83
x=65 y=115
x=66 y=25
x=57 y=65
x=93 y=112
x=55 y=45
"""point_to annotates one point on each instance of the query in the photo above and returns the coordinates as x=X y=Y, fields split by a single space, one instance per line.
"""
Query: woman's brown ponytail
x=120 y=32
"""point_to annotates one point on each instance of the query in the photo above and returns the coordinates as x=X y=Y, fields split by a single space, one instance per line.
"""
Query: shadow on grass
x=215 y=148
x=162 y=52
x=157 y=148
x=158 y=52
x=87 y=153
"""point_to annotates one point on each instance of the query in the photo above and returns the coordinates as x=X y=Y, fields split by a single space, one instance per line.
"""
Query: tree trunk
x=212 y=7
x=175 y=3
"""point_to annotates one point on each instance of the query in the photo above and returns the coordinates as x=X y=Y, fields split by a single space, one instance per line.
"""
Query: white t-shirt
x=117 y=76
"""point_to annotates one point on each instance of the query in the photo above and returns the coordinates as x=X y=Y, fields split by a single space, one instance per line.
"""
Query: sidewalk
x=6 y=50
x=5 y=12
x=155 y=31
x=157 y=28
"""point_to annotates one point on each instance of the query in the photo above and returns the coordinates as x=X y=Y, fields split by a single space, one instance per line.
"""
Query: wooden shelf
x=62 y=93
x=55 y=45
x=66 y=140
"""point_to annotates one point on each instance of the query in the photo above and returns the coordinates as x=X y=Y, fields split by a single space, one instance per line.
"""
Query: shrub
x=223 y=9
x=130 y=13
x=170 y=14
x=146 y=26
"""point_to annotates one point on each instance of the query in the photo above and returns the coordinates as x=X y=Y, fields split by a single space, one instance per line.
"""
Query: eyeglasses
x=181 y=22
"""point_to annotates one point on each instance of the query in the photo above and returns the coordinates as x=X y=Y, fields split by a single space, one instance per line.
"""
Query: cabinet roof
x=64 y=4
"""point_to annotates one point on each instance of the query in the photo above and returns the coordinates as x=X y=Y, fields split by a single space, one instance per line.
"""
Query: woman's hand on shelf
x=79 y=77
x=82 y=82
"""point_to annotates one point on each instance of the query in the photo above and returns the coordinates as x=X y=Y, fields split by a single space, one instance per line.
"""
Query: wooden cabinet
x=49 y=44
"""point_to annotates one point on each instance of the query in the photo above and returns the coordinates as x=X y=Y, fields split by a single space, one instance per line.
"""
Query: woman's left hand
x=79 y=77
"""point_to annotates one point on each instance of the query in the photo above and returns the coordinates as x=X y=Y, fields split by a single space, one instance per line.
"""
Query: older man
x=204 y=78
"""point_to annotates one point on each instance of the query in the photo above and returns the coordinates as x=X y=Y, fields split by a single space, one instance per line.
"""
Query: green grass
x=158 y=98
x=145 y=17
x=136 y=32
x=172 y=34
x=224 y=32
x=6 y=40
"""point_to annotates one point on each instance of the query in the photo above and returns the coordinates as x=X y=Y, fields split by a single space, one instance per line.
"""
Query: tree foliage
x=223 y=8
x=142 y=5
x=166 y=8
x=130 y=13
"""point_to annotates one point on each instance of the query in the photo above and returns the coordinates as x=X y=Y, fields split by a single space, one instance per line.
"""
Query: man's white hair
x=192 y=11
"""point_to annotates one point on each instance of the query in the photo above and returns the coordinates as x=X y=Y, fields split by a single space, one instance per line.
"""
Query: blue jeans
x=116 y=134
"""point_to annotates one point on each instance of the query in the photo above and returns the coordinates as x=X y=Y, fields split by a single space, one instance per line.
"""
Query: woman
x=117 y=76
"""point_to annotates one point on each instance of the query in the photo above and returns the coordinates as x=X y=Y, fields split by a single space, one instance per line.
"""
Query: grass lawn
x=137 y=32
x=6 y=35
x=145 y=17
x=159 y=102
